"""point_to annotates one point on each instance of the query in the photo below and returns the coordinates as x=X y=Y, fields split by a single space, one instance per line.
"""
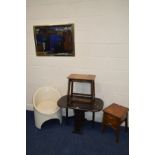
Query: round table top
x=81 y=103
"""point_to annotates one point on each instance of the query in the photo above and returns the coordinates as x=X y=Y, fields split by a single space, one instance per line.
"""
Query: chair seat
x=47 y=107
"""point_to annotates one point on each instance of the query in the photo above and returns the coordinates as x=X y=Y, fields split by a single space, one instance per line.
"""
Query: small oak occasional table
x=113 y=116
x=80 y=105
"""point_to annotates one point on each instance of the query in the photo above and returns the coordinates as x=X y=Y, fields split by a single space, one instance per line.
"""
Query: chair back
x=45 y=94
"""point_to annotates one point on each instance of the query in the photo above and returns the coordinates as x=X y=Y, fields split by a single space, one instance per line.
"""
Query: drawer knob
x=109 y=123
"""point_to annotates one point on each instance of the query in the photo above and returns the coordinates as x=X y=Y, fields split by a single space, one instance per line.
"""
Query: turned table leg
x=78 y=120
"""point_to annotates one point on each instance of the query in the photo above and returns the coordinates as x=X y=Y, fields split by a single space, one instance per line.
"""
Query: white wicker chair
x=45 y=105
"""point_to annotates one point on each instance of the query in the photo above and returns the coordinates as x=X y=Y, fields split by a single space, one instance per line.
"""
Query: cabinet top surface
x=81 y=77
x=116 y=110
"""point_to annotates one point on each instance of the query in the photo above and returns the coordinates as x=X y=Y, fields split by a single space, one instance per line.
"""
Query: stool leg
x=92 y=90
x=68 y=92
x=71 y=88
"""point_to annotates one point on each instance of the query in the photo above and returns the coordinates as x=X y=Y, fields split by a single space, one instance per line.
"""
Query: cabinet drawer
x=111 y=120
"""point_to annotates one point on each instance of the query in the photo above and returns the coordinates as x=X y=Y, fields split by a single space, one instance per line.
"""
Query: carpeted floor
x=56 y=139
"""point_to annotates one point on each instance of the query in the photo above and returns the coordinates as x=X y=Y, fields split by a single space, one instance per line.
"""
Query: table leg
x=117 y=131
x=103 y=127
x=126 y=124
x=78 y=121
x=93 y=118
x=67 y=115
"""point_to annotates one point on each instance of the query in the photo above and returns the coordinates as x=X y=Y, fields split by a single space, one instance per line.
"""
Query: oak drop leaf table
x=80 y=105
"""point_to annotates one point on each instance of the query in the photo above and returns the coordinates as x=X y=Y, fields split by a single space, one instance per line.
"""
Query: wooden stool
x=87 y=78
x=113 y=116
x=84 y=78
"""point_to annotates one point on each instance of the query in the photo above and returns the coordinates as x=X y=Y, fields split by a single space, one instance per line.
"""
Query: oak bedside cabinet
x=113 y=117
